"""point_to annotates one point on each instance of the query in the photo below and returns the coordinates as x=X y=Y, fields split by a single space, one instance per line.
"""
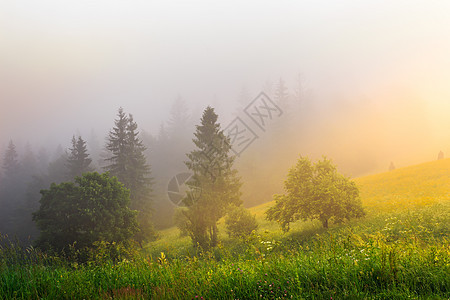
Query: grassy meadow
x=400 y=250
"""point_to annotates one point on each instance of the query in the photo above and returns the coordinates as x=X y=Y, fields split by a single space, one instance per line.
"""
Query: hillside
x=408 y=187
x=403 y=188
x=387 y=255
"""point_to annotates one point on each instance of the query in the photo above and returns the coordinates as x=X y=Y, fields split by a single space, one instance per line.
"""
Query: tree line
x=125 y=158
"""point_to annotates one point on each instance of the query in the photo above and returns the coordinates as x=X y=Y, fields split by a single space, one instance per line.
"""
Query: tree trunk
x=214 y=235
x=325 y=223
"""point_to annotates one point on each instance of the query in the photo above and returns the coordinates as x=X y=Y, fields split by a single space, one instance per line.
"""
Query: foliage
x=94 y=208
x=240 y=223
x=316 y=192
x=351 y=261
x=181 y=221
x=213 y=174
x=127 y=161
x=78 y=161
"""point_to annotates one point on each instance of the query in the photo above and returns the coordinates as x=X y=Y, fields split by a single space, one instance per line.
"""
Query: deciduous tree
x=316 y=191
x=93 y=208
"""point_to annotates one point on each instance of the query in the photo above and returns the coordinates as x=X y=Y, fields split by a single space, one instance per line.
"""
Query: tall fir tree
x=10 y=161
x=116 y=145
x=29 y=162
x=213 y=174
x=128 y=163
x=281 y=94
x=11 y=190
x=179 y=121
x=78 y=161
x=140 y=183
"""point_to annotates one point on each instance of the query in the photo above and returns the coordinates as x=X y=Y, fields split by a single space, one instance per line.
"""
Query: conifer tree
x=139 y=182
x=29 y=163
x=213 y=174
x=117 y=147
x=128 y=163
x=10 y=161
x=78 y=161
x=10 y=189
x=179 y=121
x=281 y=94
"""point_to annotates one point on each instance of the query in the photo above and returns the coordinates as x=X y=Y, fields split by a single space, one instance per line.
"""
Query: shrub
x=239 y=222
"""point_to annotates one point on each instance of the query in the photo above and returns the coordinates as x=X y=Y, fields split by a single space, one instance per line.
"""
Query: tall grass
x=404 y=255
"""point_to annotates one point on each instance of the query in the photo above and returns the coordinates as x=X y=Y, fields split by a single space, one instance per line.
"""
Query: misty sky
x=66 y=66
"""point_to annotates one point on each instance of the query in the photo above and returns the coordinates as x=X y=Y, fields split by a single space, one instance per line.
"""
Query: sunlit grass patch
x=404 y=188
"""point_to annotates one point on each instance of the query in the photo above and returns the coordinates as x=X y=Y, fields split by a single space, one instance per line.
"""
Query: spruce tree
x=11 y=188
x=212 y=166
x=117 y=147
x=29 y=162
x=78 y=161
x=128 y=163
x=281 y=94
x=10 y=161
x=179 y=121
x=139 y=182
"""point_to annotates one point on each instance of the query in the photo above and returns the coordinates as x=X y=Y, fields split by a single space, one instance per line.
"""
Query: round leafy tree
x=94 y=208
x=316 y=191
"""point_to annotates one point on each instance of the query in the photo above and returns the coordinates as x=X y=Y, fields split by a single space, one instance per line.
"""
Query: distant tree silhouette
x=29 y=162
x=281 y=95
x=78 y=161
x=179 y=120
x=11 y=189
x=391 y=166
x=441 y=155
x=10 y=161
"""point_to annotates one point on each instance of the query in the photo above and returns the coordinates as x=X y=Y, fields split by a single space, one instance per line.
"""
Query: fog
x=375 y=76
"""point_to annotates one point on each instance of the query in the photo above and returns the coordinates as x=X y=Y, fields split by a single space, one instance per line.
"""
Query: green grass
x=399 y=254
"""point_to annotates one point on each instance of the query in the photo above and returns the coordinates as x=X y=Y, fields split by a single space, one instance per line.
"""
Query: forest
x=114 y=230
x=224 y=149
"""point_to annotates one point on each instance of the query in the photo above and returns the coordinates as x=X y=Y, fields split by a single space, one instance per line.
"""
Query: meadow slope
x=400 y=250
x=401 y=189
